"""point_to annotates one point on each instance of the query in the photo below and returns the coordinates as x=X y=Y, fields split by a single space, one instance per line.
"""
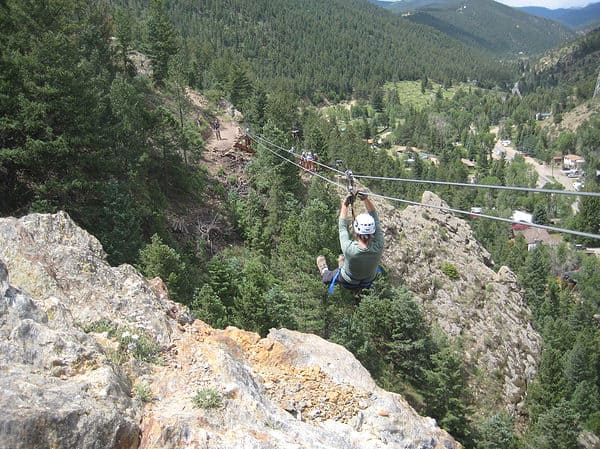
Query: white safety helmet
x=364 y=224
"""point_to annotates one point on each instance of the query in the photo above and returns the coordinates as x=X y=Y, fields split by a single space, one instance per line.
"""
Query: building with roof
x=573 y=161
x=468 y=162
x=536 y=236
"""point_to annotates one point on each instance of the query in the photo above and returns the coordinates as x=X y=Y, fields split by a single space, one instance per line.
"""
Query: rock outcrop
x=94 y=356
x=57 y=387
x=437 y=256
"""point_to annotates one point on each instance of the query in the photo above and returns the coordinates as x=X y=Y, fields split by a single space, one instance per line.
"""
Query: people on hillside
x=358 y=264
x=216 y=125
x=309 y=161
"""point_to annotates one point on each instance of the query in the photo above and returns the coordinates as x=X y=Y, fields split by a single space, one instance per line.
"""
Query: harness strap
x=361 y=284
x=333 y=282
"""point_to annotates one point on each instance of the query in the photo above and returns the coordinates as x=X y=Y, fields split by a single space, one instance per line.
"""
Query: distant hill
x=487 y=24
x=576 y=18
x=573 y=67
x=338 y=48
x=406 y=5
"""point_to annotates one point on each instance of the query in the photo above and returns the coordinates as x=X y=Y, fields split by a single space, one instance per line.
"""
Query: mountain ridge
x=290 y=42
x=583 y=18
x=496 y=27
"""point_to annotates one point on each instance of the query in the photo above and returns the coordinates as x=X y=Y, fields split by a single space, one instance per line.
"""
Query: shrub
x=143 y=392
x=99 y=327
x=450 y=270
x=139 y=346
x=131 y=343
x=208 y=398
x=593 y=423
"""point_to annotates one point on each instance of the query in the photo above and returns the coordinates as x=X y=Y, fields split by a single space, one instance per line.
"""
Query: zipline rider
x=358 y=264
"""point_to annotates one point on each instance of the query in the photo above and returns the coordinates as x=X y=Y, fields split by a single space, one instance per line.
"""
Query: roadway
x=546 y=173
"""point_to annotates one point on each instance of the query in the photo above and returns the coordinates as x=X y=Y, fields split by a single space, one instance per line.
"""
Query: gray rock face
x=437 y=256
x=63 y=266
x=277 y=394
x=62 y=387
x=57 y=388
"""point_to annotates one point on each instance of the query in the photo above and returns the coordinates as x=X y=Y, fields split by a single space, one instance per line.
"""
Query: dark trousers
x=328 y=276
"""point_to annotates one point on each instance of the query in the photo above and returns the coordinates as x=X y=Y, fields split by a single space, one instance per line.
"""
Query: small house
x=475 y=211
x=573 y=161
x=542 y=115
x=536 y=236
x=468 y=163
x=521 y=219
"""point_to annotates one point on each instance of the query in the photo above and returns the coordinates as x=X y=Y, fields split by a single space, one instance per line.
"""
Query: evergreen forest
x=95 y=120
x=489 y=25
x=286 y=44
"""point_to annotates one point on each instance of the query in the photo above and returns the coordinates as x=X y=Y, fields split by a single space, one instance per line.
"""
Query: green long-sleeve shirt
x=360 y=264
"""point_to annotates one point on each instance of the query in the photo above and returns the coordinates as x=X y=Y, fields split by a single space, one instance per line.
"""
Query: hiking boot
x=322 y=264
x=341 y=260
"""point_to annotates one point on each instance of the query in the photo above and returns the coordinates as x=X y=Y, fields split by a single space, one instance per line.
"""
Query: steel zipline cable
x=324 y=178
x=266 y=143
x=448 y=183
x=488 y=186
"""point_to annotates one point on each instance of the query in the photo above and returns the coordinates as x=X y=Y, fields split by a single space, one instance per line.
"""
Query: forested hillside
x=571 y=65
x=289 y=43
x=80 y=133
x=96 y=120
x=584 y=18
x=404 y=6
x=559 y=82
x=493 y=26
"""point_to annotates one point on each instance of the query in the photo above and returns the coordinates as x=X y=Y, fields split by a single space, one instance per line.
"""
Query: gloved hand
x=349 y=200
x=362 y=195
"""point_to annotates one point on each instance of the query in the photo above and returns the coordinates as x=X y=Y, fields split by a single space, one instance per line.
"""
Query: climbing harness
x=359 y=286
x=338 y=278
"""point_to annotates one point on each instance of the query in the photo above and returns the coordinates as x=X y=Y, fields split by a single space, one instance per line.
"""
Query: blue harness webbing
x=335 y=280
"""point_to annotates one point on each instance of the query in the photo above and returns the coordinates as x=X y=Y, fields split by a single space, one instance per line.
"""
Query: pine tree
x=239 y=86
x=160 y=260
x=535 y=276
x=207 y=306
x=556 y=428
x=549 y=385
x=162 y=41
x=588 y=217
x=124 y=38
x=445 y=392
x=377 y=100
x=395 y=325
x=496 y=432
x=540 y=214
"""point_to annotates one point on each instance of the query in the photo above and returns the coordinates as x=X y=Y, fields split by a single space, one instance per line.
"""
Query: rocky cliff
x=437 y=256
x=93 y=356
